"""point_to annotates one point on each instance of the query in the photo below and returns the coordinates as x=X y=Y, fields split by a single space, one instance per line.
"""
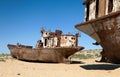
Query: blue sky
x=21 y=20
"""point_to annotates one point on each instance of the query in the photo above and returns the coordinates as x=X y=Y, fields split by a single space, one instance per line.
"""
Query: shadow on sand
x=76 y=62
x=70 y=62
x=30 y=61
x=101 y=66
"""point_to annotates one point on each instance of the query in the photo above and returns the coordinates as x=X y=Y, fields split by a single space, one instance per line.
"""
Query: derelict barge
x=102 y=23
x=53 y=47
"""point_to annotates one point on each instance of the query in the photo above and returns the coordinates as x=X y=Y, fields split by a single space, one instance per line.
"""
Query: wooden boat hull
x=28 y=53
x=106 y=31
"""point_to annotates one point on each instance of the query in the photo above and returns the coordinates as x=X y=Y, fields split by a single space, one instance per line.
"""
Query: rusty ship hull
x=106 y=31
x=57 y=55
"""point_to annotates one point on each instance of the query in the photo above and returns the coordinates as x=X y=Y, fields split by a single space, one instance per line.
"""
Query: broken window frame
x=65 y=37
x=97 y=8
x=73 y=38
x=110 y=6
x=87 y=11
x=46 y=42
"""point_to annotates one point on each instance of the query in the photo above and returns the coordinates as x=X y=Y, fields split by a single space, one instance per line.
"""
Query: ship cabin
x=99 y=8
x=57 y=39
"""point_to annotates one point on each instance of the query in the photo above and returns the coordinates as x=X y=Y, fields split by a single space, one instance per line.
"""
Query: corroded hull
x=106 y=31
x=42 y=54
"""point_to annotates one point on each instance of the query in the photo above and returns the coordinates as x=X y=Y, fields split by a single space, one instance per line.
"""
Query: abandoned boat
x=53 y=47
x=102 y=23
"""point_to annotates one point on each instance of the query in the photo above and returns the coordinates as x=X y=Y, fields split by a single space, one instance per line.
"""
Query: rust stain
x=53 y=47
x=57 y=39
x=105 y=27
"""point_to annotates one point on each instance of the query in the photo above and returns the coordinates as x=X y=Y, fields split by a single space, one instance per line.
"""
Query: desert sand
x=78 y=68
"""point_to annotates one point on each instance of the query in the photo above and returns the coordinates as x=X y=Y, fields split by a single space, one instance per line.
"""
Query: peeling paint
x=104 y=8
x=105 y=27
x=57 y=39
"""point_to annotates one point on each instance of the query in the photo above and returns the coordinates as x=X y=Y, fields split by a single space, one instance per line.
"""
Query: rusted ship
x=53 y=47
x=102 y=23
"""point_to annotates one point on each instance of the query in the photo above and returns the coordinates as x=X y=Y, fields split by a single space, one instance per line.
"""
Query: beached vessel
x=54 y=47
x=102 y=23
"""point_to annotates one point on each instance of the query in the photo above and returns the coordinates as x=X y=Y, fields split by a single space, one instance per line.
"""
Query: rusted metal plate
x=108 y=30
x=57 y=39
x=92 y=9
x=102 y=8
x=98 y=8
x=58 y=55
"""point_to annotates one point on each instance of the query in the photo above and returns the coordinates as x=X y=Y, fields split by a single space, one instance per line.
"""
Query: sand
x=79 y=68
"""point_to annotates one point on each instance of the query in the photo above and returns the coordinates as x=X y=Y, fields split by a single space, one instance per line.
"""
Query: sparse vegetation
x=87 y=54
x=4 y=57
x=82 y=56
x=2 y=60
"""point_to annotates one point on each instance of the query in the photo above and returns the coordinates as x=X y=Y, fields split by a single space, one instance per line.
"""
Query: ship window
x=110 y=6
x=72 y=38
x=65 y=37
x=45 y=42
x=97 y=8
x=87 y=13
x=92 y=1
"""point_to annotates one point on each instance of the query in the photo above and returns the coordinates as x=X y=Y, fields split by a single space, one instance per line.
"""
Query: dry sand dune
x=82 y=68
